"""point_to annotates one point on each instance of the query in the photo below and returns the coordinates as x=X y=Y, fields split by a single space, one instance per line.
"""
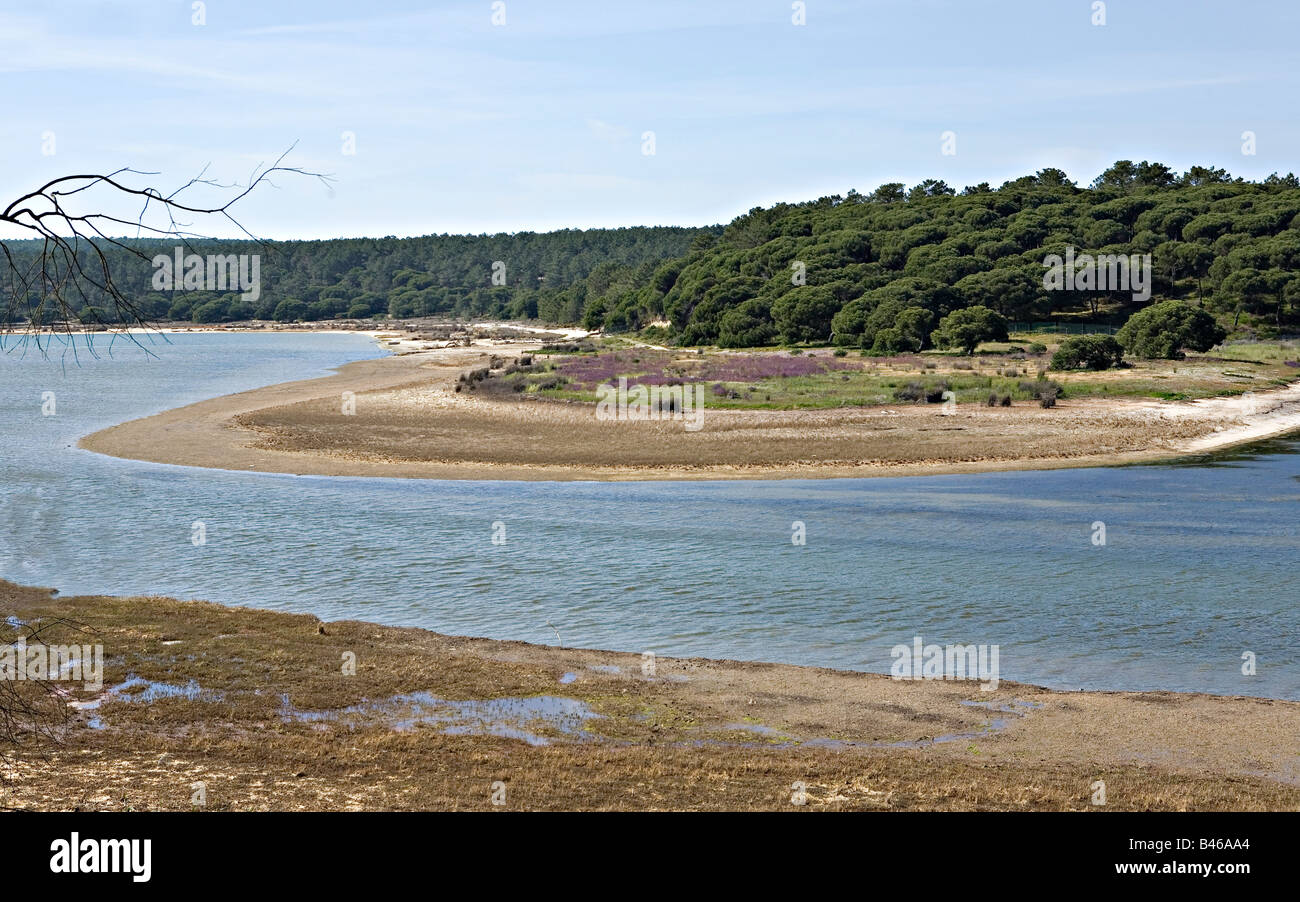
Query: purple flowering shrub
x=666 y=368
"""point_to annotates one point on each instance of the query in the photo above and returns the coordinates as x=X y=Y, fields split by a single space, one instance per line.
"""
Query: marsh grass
x=659 y=744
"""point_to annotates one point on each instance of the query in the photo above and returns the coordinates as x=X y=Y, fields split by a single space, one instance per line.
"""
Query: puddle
x=512 y=718
x=759 y=728
x=568 y=678
x=1016 y=706
x=137 y=689
x=1014 y=709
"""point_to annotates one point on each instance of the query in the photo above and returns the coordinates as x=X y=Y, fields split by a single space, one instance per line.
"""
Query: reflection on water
x=1229 y=457
x=138 y=690
x=512 y=718
x=1196 y=571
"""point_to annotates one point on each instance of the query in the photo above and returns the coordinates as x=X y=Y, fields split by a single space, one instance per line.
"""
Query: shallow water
x=1197 y=568
x=137 y=690
x=511 y=718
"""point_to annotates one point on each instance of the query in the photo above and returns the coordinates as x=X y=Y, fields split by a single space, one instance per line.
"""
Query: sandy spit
x=409 y=422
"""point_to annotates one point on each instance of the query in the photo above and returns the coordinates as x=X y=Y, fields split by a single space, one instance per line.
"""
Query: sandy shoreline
x=270 y=724
x=409 y=422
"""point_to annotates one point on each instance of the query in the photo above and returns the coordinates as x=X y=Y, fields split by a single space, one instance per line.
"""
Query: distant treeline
x=546 y=276
x=870 y=270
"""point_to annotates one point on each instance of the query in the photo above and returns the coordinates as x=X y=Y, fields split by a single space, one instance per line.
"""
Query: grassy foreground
x=253 y=710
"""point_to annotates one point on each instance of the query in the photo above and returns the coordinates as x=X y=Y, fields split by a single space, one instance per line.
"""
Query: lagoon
x=1196 y=571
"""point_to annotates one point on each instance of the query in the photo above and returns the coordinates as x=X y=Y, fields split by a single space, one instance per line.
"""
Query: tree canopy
x=891 y=264
x=879 y=271
x=1165 y=330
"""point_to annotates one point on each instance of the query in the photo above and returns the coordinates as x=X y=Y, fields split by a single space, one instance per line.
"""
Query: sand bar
x=410 y=422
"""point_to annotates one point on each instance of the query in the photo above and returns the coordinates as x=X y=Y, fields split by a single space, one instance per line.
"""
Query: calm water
x=1199 y=564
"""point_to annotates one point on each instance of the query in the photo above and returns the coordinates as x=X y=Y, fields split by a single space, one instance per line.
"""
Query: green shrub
x=1040 y=388
x=919 y=391
x=1088 y=352
x=1165 y=330
x=912 y=391
x=289 y=310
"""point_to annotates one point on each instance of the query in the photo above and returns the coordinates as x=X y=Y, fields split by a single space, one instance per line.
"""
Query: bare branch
x=70 y=278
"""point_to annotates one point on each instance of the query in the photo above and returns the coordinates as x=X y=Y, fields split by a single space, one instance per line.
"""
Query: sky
x=431 y=117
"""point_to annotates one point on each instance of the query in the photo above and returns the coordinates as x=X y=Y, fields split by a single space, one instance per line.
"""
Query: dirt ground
x=241 y=709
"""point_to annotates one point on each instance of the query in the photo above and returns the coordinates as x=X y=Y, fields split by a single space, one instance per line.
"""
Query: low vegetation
x=205 y=696
x=1088 y=352
x=1006 y=372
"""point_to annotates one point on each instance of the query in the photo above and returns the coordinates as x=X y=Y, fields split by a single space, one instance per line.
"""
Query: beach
x=409 y=420
x=259 y=710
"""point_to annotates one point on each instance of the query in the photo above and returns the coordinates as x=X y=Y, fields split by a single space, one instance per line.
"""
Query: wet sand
x=410 y=422
x=270 y=722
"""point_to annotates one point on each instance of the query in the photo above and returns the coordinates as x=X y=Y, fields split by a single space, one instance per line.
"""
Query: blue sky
x=465 y=126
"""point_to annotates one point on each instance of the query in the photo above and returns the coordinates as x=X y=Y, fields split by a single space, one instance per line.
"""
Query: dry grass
x=682 y=740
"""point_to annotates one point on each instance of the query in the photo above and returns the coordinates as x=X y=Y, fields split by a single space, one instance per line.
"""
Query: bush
x=1005 y=401
x=888 y=343
x=210 y=312
x=289 y=310
x=1165 y=330
x=1088 y=352
x=474 y=375
x=912 y=391
x=1041 y=388
x=917 y=391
